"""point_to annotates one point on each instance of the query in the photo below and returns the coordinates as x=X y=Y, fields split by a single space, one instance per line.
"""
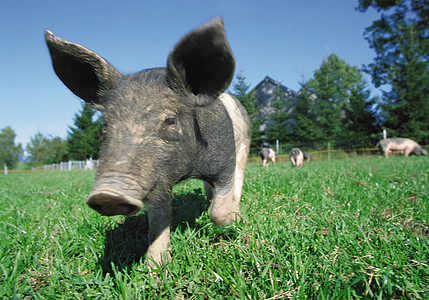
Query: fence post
x=5 y=169
x=329 y=151
x=70 y=165
x=277 y=146
x=384 y=134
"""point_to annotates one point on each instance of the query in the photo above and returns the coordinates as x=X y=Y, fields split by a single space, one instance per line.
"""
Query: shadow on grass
x=128 y=242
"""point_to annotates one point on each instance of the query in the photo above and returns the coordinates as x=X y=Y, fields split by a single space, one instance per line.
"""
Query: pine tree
x=304 y=127
x=9 y=152
x=241 y=93
x=400 y=39
x=84 y=140
x=361 y=121
x=329 y=98
x=46 y=149
x=248 y=100
x=336 y=86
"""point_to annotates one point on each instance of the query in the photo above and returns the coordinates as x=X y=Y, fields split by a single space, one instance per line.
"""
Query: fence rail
x=318 y=151
x=327 y=150
x=69 y=165
x=329 y=154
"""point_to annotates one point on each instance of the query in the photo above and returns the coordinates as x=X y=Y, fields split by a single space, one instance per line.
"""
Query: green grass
x=353 y=228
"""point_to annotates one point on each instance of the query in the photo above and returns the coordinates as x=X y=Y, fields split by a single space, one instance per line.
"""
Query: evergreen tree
x=9 y=152
x=241 y=93
x=304 y=127
x=46 y=149
x=361 y=121
x=400 y=39
x=248 y=100
x=334 y=85
x=84 y=140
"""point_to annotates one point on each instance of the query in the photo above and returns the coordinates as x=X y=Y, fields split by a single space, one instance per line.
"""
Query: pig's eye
x=170 y=129
x=170 y=121
x=104 y=128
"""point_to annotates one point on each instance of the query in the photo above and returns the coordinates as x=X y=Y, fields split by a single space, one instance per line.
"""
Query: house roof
x=265 y=93
x=271 y=81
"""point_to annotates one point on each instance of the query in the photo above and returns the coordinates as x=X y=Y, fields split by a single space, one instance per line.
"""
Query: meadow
x=339 y=229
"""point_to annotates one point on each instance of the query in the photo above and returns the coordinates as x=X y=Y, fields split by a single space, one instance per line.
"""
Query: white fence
x=68 y=166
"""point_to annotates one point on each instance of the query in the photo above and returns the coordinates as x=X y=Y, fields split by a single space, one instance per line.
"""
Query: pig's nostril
x=109 y=205
x=127 y=209
x=96 y=207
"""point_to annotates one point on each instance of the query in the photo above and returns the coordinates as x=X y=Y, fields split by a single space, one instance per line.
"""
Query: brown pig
x=296 y=157
x=400 y=145
x=268 y=154
x=163 y=125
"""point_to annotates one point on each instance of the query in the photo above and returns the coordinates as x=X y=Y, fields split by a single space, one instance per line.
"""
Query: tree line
x=83 y=141
x=334 y=104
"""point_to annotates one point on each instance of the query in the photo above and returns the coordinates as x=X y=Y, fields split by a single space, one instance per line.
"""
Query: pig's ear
x=84 y=72
x=202 y=62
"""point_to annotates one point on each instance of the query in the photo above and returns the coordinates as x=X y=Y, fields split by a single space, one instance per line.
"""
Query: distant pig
x=268 y=154
x=296 y=157
x=307 y=156
x=163 y=125
x=400 y=145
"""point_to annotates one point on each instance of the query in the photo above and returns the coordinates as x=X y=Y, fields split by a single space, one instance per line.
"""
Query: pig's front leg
x=225 y=209
x=226 y=198
x=408 y=151
x=265 y=162
x=159 y=213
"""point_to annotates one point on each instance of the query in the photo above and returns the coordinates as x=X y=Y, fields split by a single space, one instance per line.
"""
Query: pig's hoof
x=226 y=220
x=158 y=261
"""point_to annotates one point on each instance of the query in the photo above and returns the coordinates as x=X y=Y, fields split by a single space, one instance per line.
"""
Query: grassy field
x=341 y=229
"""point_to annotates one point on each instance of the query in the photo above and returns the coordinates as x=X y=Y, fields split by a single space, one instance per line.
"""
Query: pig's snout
x=109 y=203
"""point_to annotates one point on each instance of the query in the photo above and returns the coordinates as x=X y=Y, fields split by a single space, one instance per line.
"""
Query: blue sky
x=284 y=39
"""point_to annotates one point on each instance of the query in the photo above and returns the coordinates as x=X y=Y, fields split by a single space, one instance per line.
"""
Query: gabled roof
x=269 y=80
x=265 y=93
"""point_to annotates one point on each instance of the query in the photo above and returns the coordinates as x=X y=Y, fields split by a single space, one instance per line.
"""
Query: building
x=265 y=93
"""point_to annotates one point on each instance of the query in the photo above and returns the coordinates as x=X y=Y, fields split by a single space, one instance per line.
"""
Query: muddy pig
x=163 y=125
x=267 y=154
x=296 y=157
x=401 y=145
